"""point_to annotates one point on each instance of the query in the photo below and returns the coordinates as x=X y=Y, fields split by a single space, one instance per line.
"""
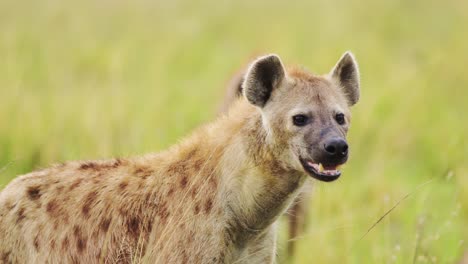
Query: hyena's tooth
x=320 y=167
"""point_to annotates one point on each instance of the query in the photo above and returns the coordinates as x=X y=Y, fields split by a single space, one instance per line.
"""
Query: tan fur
x=297 y=214
x=213 y=198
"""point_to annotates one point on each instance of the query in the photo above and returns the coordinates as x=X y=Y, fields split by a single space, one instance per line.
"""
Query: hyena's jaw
x=320 y=172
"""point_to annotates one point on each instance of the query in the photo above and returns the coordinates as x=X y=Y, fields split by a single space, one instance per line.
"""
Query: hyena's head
x=306 y=117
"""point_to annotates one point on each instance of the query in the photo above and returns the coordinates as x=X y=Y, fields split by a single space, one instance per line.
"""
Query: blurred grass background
x=95 y=79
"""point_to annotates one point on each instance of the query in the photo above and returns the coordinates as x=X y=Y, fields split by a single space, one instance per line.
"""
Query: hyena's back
x=106 y=211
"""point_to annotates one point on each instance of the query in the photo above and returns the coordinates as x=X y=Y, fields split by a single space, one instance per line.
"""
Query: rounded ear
x=346 y=74
x=264 y=74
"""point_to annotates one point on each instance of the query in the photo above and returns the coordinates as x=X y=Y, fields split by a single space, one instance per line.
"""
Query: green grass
x=96 y=79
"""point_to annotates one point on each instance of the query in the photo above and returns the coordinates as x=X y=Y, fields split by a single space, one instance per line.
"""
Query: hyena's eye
x=300 y=120
x=340 y=118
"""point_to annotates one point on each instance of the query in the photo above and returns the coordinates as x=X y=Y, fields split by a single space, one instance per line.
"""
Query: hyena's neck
x=258 y=188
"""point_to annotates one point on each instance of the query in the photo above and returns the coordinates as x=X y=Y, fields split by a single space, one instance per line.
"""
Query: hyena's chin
x=320 y=172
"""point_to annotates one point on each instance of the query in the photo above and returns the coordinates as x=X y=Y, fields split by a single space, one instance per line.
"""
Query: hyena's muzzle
x=326 y=155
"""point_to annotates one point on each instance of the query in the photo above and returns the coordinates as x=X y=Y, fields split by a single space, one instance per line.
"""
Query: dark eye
x=300 y=120
x=340 y=119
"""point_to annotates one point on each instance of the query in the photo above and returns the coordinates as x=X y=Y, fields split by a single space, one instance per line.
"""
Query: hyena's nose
x=336 y=148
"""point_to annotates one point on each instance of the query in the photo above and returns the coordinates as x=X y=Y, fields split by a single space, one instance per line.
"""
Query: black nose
x=336 y=148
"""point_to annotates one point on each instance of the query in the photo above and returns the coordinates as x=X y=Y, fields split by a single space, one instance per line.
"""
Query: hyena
x=212 y=198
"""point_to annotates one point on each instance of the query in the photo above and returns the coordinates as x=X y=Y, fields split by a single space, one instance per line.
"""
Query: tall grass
x=96 y=79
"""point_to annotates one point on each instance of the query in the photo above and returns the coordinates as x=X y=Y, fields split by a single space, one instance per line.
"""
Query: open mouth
x=321 y=172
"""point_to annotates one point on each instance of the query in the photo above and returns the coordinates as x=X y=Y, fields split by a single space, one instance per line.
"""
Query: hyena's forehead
x=314 y=90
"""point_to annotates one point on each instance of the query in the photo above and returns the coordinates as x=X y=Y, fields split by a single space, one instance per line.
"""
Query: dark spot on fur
x=88 y=203
x=149 y=225
x=97 y=178
x=65 y=243
x=105 y=165
x=183 y=182
x=52 y=208
x=197 y=208
x=104 y=225
x=80 y=240
x=76 y=184
x=76 y=231
x=6 y=257
x=191 y=153
x=34 y=192
x=117 y=163
x=193 y=192
x=81 y=244
x=36 y=242
x=88 y=166
x=124 y=210
x=197 y=164
x=148 y=196
x=133 y=227
x=143 y=172
x=186 y=163
x=208 y=206
x=123 y=185
x=20 y=216
x=174 y=167
x=170 y=192
x=52 y=244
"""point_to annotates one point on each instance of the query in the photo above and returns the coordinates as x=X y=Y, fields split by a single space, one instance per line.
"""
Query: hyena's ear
x=346 y=74
x=263 y=75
